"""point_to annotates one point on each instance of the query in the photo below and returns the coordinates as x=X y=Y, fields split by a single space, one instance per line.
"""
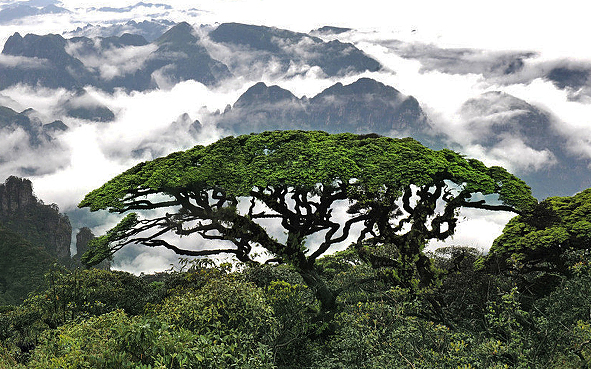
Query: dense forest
x=291 y=302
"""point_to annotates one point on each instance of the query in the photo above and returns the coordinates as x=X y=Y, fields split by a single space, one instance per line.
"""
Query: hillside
x=43 y=225
x=22 y=267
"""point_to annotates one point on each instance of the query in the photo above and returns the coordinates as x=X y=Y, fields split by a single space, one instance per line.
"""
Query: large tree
x=400 y=195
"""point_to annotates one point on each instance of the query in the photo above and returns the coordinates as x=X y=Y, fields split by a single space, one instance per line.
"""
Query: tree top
x=305 y=159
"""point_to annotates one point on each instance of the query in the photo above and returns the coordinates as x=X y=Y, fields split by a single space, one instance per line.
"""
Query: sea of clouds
x=442 y=53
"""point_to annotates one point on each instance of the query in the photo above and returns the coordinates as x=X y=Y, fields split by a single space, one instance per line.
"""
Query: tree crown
x=304 y=160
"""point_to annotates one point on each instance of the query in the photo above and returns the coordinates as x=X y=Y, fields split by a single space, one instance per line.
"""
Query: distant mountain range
x=19 y=11
x=502 y=125
x=37 y=132
x=131 y=62
x=78 y=74
x=495 y=123
x=362 y=107
x=289 y=49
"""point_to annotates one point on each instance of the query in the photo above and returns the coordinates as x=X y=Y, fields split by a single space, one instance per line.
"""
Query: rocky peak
x=360 y=87
x=127 y=39
x=255 y=37
x=42 y=225
x=83 y=237
x=50 y=47
x=16 y=193
x=13 y=43
x=331 y=30
x=182 y=33
x=260 y=93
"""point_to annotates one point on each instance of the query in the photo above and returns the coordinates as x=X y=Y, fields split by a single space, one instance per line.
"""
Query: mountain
x=83 y=106
x=261 y=95
x=127 y=61
x=181 y=133
x=570 y=77
x=86 y=45
x=28 y=146
x=364 y=106
x=129 y=8
x=36 y=132
x=368 y=106
x=42 y=60
x=21 y=212
x=180 y=57
x=19 y=11
x=511 y=129
x=495 y=116
x=83 y=237
x=330 y=30
x=33 y=236
x=148 y=29
x=289 y=48
x=504 y=127
x=131 y=62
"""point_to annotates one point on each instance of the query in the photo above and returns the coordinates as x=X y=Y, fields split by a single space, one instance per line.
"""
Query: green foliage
x=465 y=290
x=71 y=295
x=7 y=359
x=43 y=227
x=263 y=316
x=305 y=159
x=98 y=248
x=209 y=320
x=564 y=318
x=380 y=334
x=542 y=240
x=221 y=305
x=225 y=323
x=114 y=340
x=232 y=319
x=293 y=306
x=18 y=279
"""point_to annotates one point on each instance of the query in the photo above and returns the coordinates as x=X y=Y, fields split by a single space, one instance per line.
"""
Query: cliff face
x=15 y=194
x=22 y=213
x=83 y=237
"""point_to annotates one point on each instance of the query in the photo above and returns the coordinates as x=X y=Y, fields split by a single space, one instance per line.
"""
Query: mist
x=444 y=58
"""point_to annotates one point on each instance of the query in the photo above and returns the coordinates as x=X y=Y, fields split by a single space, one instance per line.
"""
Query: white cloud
x=476 y=228
x=89 y=168
x=151 y=122
x=113 y=62
x=43 y=100
x=573 y=117
x=22 y=62
x=141 y=259
x=518 y=157
x=18 y=157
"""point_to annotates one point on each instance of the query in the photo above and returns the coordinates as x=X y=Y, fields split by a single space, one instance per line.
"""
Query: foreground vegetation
x=253 y=316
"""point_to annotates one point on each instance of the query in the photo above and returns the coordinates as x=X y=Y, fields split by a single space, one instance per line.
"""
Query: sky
x=502 y=24
x=412 y=39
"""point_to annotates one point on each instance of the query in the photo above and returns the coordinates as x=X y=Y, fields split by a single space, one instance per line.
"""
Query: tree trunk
x=326 y=297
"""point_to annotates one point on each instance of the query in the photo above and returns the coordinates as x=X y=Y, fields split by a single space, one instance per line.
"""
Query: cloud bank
x=446 y=58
